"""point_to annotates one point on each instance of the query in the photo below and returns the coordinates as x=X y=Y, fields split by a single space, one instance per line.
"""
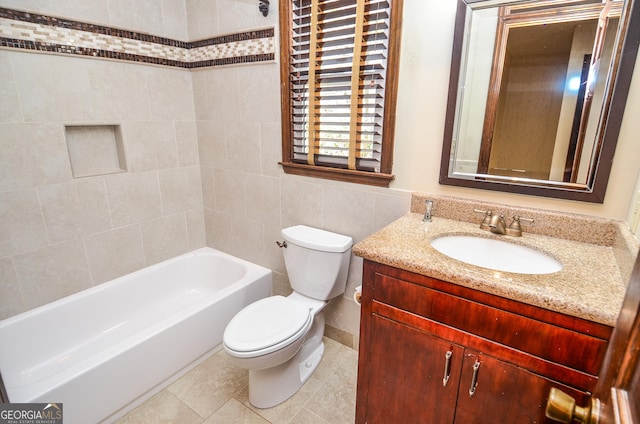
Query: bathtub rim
x=29 y=391
x=98 y=287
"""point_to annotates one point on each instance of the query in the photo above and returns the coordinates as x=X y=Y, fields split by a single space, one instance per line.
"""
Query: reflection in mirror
x=536 y=95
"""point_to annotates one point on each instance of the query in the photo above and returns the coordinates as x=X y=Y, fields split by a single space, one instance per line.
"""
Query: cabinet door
x=501 y=392
x=406 y=373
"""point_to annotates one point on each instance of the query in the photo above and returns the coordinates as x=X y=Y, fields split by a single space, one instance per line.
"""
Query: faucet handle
x=484 y=225
x=529 y=220
x=515 y=229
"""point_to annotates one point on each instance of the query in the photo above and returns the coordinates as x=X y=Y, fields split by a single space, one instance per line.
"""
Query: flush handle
x=282 y=244
x=447 y=367
x=474 y=379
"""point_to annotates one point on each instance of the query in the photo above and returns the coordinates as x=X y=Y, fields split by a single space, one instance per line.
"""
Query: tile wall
x=202 y=149
x=60 y=234
x=32 y=31
x=247 y=197
x=166 y=18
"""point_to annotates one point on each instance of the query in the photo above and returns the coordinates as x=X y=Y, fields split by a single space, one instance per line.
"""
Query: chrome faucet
x=427 y=211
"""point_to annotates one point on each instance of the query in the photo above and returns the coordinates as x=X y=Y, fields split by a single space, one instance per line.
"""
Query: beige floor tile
x=284 y=412
x=336 y=355
x=336 y=399
x=236 y=413
x=217 y=391
x=307 y=417
x=210 y=385
x=162 y=408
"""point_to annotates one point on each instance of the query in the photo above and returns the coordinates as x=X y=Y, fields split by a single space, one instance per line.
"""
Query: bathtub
x=101 y=350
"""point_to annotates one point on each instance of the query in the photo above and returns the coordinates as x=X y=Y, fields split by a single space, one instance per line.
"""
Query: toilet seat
x=266 y=326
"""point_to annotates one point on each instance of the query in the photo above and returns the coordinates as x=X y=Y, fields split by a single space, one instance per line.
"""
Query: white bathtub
x=99 y=350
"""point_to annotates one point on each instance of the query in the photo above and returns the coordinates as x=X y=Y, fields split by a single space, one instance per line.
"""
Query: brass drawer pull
x=474 y=379
x=447 y=367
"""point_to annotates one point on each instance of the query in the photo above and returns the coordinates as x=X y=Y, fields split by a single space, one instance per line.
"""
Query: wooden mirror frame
x=614 y=111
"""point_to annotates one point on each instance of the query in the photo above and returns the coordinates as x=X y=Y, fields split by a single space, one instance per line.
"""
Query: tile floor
x=216 y=392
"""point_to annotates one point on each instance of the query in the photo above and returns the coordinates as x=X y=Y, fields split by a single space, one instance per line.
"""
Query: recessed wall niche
x=95 y=150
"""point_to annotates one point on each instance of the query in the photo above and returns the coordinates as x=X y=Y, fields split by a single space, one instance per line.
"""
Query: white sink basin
x=496 y=254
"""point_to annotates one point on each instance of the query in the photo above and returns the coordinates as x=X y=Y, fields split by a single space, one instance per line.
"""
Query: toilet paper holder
x=357 y=295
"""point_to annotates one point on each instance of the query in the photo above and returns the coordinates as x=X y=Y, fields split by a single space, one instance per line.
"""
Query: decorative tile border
x=28 y=31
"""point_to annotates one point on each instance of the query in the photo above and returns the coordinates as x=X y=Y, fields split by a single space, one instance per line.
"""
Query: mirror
x=537 y=93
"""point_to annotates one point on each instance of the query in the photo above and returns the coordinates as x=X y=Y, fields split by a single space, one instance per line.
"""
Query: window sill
x=337 y=174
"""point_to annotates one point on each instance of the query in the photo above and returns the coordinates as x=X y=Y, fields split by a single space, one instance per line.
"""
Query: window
x=338 y=75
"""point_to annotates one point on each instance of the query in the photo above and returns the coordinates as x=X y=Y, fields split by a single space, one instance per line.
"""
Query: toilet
x=279 y=339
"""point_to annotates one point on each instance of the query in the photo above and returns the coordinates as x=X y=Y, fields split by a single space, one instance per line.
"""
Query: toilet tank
x=317 y=261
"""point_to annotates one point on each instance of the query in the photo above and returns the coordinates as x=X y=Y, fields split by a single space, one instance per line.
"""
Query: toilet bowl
x=279 y=339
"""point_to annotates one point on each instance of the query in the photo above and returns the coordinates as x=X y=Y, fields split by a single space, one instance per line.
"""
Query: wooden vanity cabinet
x=499 y=357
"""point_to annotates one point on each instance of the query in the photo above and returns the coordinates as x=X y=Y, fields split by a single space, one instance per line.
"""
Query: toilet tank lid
x=316 y=239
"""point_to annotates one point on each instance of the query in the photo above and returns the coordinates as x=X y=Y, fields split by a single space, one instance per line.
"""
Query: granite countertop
x=589 y=286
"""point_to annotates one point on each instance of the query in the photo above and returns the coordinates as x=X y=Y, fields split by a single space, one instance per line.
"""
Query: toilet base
x=271 y=386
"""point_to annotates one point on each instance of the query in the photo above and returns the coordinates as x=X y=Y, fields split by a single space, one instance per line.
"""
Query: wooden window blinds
x=339 y=87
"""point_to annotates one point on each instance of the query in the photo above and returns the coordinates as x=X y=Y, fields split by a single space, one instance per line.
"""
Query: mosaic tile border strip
x=32 y=32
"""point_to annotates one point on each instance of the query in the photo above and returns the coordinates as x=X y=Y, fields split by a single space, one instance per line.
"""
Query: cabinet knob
x=562 y=407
